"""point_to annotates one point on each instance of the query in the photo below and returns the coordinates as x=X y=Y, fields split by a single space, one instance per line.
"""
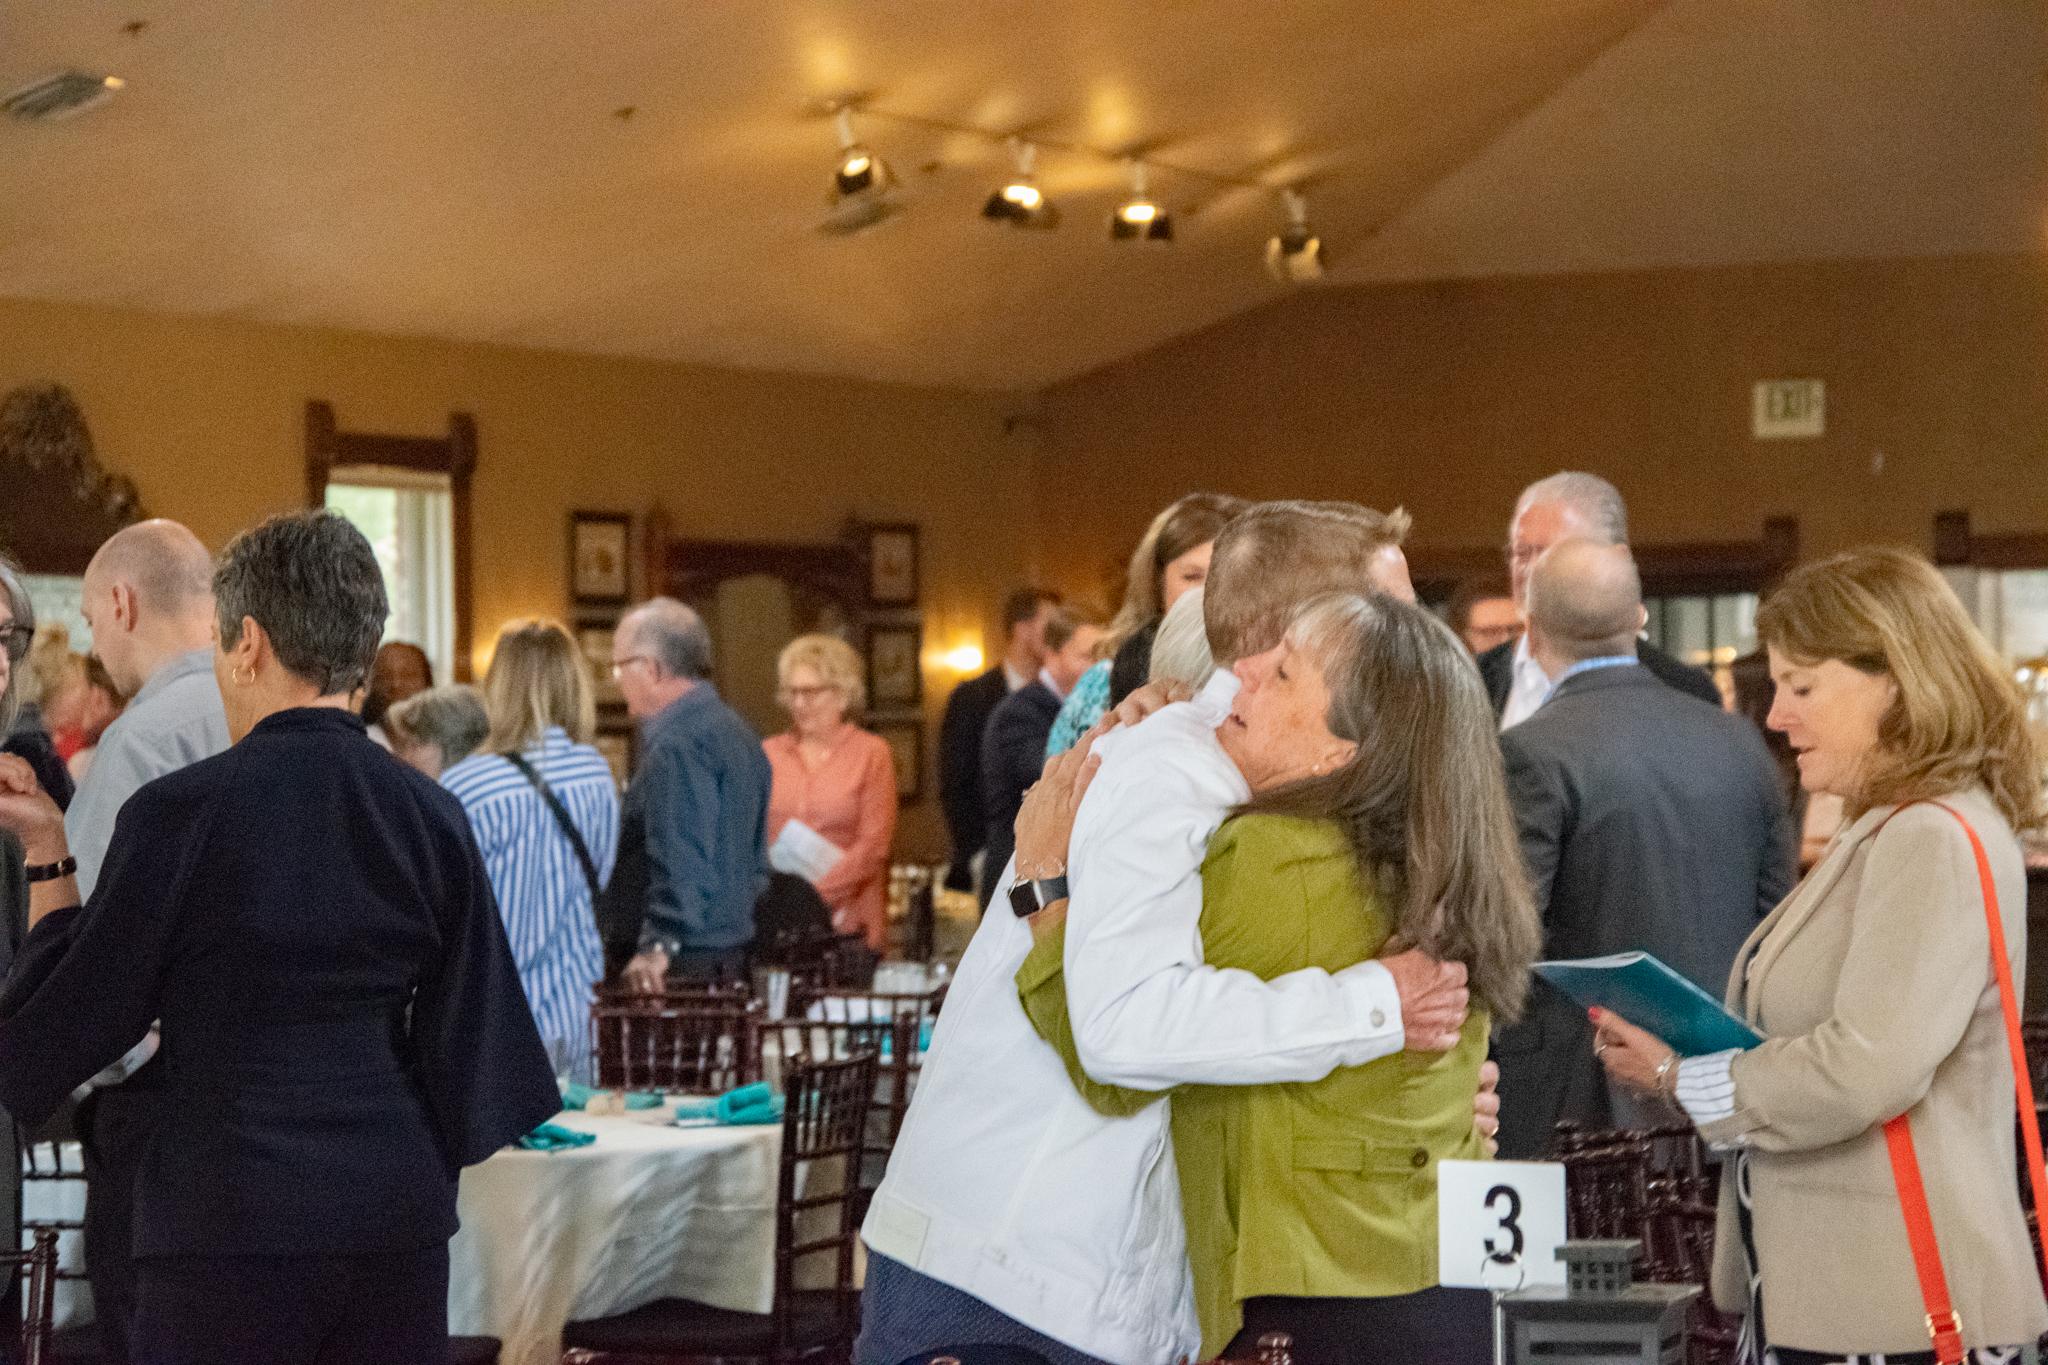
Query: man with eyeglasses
x=693 y=829
x=1566 y=506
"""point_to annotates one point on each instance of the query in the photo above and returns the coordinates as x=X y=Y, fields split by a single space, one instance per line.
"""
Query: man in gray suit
x=1650 y=821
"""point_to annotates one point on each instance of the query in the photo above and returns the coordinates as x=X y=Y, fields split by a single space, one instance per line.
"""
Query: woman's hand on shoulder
x=1045 y=822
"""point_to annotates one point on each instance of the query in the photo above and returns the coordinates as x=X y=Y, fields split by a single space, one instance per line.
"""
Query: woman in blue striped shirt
x=537 y=779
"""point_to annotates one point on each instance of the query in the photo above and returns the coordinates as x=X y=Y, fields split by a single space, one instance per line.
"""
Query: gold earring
x=241 y=681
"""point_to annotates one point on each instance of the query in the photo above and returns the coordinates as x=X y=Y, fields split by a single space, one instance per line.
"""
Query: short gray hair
x=673 y=636
x=1597 y=502
x=1180 y=651
x=452 y=719
x=24 y=615
x=312 y=582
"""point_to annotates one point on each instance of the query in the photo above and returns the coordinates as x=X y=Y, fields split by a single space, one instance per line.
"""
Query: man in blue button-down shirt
x=696 y=815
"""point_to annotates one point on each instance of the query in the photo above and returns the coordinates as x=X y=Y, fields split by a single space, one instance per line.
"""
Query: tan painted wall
x=1448 y=398
x=207 y=418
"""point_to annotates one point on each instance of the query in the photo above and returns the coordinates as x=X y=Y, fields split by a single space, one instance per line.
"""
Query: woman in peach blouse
x=836 y=778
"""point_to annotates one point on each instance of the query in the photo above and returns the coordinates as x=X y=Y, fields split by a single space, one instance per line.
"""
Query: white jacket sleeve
x=1147 y=1013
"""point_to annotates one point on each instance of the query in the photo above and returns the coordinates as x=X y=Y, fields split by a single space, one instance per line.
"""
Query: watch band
x=1027 y=898
x=50 y=872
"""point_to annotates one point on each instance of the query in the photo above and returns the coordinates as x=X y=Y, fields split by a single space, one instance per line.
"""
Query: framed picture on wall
x=594 y=639
x=895 y=665
x=892 y=565
x=599 y=556
x=906 y=749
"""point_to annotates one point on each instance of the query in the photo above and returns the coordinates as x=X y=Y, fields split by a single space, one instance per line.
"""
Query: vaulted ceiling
x=458 y=168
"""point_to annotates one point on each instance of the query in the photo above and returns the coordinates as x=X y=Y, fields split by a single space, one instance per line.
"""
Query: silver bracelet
x=1664 y=1069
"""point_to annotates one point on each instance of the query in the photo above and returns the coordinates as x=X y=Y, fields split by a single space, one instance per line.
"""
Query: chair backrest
x=39 y=1304
x=1656 y=1186
x=53 y=1163
x=837 y=1023
x=823 y=1182
x=700 y=1046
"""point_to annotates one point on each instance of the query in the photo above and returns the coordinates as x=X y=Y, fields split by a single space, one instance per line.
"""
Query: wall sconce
x=964 y=659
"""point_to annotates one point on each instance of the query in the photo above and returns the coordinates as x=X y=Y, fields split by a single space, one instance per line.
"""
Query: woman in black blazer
x=342 y=1025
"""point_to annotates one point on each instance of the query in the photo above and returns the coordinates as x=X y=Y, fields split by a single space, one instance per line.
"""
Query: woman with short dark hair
x=342 y=1026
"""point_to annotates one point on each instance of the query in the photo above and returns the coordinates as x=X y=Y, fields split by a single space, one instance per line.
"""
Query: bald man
x=1651 y=821
x=149 y=601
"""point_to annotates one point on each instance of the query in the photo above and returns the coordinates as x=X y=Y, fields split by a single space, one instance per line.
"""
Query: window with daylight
x=1707 y=630
x=409 y=495
x=409 y=519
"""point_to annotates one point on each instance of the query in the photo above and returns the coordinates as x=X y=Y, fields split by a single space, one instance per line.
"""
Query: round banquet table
x=648 y=1211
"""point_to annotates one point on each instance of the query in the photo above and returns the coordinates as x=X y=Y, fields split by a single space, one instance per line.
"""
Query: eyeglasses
x=16 y=638
x=806 y=693
x=619 y=666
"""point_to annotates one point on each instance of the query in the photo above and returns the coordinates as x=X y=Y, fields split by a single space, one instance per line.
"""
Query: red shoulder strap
x=1943 y=1326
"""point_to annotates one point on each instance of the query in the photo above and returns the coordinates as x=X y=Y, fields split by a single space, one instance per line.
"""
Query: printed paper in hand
x=803 y=852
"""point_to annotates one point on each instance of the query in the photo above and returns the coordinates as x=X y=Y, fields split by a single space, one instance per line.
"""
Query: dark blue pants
x=292 y=1310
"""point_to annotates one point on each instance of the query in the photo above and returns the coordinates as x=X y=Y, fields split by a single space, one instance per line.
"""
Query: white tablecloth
x=646 y=1212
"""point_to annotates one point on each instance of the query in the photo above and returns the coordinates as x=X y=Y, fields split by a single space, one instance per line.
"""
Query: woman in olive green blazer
x=1311 y=1208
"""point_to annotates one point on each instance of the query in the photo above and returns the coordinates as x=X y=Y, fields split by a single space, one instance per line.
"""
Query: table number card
x=1499 y=1223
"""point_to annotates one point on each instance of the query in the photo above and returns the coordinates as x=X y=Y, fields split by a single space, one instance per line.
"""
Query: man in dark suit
x=1650 y=821
x=966 y=720
x=1013 y=750
x=1551 y=510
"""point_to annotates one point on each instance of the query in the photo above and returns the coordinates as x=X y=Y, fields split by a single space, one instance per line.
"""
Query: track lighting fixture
x=1020 y=202
x=1295 y=255
x=1138 y=219
x=861 y=183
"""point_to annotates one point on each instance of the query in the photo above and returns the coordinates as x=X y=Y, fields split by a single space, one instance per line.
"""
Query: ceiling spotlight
x=1019 y=202
x=1138 y=219
x=1295 y=256
x=861 y=183
x=60 y=95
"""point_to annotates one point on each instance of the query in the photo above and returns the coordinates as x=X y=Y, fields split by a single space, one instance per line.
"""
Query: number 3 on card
x=1499 y=1223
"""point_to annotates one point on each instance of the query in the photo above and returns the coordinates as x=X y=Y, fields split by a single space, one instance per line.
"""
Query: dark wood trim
x=1956 y=545
x=1668 y=570
x=455 y=455
x=837 y=570
x=462 y=455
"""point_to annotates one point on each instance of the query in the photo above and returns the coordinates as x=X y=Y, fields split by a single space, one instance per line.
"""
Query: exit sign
x=1787 y=409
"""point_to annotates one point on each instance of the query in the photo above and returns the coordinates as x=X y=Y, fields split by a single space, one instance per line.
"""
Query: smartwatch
x=1027 y=898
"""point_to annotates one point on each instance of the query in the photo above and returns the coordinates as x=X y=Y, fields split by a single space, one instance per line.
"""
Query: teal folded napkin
x=749 y=1104
x=549 y=1138
x=578 y=1097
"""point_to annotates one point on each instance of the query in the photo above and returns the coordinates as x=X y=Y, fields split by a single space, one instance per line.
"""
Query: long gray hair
x=1424 y=800
x=24 y=615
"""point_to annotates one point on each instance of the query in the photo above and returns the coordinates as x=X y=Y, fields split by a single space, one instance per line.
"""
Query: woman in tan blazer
x=1872 y=984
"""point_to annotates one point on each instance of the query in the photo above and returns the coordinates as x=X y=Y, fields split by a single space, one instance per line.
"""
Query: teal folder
x=1651 y=996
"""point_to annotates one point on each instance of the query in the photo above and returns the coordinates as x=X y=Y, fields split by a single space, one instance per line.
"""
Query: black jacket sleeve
x=482 y=1063
x=86 y=985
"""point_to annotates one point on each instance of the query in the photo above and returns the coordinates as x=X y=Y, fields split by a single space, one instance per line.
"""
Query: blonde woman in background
x=545 y=810
x=836 y=779
x=1172 y=557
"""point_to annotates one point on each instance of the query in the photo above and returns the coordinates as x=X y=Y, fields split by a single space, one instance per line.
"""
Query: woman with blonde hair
x=1172 y=557
x=835 y=779
x=1883 y=1096
x=545 y=810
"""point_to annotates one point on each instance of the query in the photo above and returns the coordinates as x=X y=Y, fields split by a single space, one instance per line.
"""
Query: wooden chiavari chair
x=695 y=1046
x=826 y=1106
